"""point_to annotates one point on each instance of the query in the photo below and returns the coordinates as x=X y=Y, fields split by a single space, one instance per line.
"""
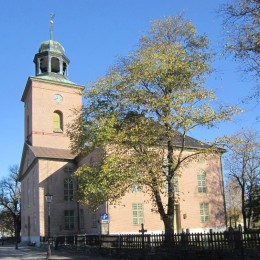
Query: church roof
x=38 y=152
x=189 y=142
x=52 y=153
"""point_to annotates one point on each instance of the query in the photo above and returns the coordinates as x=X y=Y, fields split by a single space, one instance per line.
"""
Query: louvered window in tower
x=57 y=122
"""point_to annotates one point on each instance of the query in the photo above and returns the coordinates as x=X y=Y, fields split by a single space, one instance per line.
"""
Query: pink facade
x=47 y=165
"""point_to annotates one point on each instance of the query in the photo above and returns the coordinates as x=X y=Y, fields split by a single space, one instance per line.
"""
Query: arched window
x=44 y=65
x=68 y=189
x=57 y=121
x=64 y=69
x=55 y=65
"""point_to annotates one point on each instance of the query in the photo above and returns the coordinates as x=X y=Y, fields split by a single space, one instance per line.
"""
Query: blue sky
x=94 y=33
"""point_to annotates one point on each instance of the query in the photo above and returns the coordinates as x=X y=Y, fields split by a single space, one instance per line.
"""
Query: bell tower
x=49 y=98
x=47 y=164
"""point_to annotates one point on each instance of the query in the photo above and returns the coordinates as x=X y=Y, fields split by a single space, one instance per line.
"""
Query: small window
x=202 y=186
x=204 y=212
x=69 y=169
x=136 y=187
x=138 y=213
x=136 y=184
x=57 y=122
x=69 y=219
x=68 y=189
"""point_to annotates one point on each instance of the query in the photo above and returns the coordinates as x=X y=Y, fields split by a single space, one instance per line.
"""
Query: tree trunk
x=243 y=208
x=169 y=226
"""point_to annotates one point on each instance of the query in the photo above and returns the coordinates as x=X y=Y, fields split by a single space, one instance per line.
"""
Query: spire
x=52 y=15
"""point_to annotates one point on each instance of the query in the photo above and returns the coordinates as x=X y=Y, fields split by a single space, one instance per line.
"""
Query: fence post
x=210 y=239
x=185 y=239
x=142 y=231
x=239 y=241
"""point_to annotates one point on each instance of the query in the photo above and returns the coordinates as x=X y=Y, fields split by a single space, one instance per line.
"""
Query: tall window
x=135 y=184
x=34 y=221
x=204 y=212
x=27 y=127
x=94 y=219
x=57 y=122
x=55 y=65
x=34 y=193
x=175 y=177
x=81 y=218
x=138 y=213
x=202 y=186
x=175 y=183
x=69 y=219
x=68 y=189
x=28 y=192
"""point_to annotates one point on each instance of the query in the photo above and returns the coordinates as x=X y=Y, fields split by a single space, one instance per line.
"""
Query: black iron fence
x=192 y=241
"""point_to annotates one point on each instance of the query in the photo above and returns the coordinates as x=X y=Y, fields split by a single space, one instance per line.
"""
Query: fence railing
x=192 y=241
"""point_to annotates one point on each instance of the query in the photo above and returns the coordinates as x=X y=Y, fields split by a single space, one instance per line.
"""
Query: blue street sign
x=104 y=217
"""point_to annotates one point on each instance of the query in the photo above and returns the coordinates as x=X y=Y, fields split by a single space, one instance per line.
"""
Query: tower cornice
x=50 y=80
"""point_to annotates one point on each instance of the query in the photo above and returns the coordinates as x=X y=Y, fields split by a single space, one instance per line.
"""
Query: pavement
x=8 y=252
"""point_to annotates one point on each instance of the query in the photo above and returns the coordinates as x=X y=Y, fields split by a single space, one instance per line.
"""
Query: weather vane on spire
x=52 y=15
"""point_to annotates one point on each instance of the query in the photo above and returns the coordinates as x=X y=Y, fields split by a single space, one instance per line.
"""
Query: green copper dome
x=52 y=46
x=51 y=60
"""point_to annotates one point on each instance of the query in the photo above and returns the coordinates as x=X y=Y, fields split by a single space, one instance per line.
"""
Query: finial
x=52 y=15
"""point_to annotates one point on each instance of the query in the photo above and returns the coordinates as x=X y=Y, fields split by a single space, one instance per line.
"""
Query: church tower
x=49 y=98
x=47 y=164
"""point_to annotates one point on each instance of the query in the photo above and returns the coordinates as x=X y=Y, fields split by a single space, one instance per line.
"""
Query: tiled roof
x=189 y=142
x=53 y=153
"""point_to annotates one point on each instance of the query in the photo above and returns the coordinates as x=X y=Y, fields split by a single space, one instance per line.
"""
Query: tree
x=10 y=197
x=233 y=201
x=6 y=223
x=242 y=29
x=141 y=111
x=255 y=204
x=243 y=165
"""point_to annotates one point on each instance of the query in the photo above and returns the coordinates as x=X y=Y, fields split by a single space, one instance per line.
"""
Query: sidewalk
x=8 y=252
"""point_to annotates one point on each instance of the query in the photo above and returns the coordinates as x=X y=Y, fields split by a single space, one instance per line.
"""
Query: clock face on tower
x=57 y=98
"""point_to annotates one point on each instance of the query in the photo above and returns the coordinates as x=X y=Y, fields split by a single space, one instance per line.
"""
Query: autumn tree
x=10 y=197
x=233 y=201
x=243 y=165
x=242 y=32
x=6 y=223
x=140 y=114
x=254 y=204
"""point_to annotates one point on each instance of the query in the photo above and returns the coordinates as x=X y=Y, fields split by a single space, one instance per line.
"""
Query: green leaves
x=141 y=111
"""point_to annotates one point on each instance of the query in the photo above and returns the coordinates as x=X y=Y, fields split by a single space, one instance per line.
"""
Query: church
x=47 y=167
